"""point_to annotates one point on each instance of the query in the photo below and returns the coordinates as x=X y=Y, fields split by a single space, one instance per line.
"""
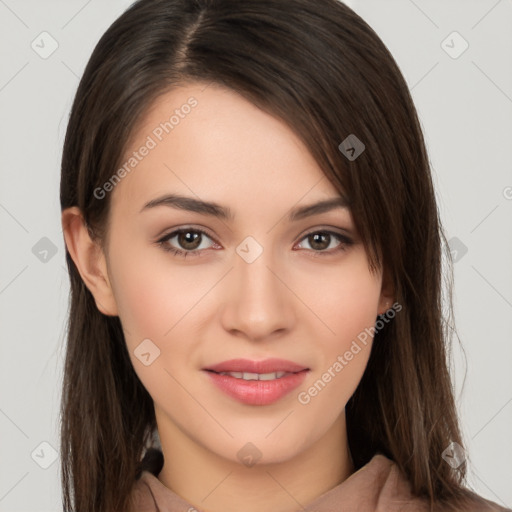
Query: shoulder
x=394 y=492
x=476 y=503
x=149 y=494
x=141 y=496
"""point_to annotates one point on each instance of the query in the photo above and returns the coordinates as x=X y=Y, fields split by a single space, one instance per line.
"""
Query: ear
x=387 y=294
x=89 y=259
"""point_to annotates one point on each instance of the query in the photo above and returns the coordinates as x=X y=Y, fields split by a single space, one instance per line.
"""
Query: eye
x=319 y=241
x=190 y=239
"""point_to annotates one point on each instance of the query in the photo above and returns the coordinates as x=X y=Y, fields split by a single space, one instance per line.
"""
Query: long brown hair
x=320 y=68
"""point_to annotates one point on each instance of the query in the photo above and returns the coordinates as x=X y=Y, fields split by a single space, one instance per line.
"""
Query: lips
x=257 y=382
x=272 y=365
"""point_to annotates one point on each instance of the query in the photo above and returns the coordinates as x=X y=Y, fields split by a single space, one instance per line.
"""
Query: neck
x=211 y=482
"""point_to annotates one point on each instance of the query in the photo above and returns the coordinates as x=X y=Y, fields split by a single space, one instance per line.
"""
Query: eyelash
x=345 y=242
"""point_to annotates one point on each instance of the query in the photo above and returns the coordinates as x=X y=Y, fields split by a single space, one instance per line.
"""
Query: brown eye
x=189 y=240
x=319 y=241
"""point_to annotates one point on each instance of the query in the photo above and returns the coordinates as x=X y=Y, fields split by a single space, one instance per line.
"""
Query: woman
x=254 y=251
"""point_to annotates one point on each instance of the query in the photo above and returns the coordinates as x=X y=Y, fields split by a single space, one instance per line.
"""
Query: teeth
x=255 y=376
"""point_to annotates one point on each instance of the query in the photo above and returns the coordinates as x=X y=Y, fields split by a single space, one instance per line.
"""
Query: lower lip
x=257 y=392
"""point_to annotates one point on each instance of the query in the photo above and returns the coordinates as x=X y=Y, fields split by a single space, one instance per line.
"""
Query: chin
x=255 y=448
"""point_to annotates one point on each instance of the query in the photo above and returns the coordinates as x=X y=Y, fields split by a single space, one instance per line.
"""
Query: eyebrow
x=215 y=210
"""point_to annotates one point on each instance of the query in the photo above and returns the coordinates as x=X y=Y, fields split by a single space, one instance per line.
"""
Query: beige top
x=376 y=487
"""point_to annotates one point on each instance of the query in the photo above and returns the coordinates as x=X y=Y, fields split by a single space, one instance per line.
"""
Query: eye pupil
x=316 y=244
x=189 y=239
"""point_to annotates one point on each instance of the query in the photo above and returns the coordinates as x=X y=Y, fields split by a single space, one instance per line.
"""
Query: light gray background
x=465 y=107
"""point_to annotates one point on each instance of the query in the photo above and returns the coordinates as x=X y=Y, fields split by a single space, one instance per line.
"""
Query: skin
x=201 y=310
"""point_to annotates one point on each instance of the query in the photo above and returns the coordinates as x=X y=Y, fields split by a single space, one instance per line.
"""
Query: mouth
x=257 y=382
x=258 y=376
x=264 y=368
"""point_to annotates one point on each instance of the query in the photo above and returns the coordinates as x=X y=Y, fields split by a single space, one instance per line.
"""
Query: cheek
x=151 y=293
x=346 y=300
x=344 y=296
x=154 y=299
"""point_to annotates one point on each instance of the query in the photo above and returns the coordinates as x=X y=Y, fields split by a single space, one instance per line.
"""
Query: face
x=251 y=284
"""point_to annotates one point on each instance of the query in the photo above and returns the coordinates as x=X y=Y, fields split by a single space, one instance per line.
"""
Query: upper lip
x=249 y=366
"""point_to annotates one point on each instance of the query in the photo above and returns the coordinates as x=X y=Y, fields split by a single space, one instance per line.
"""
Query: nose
x=258 y=303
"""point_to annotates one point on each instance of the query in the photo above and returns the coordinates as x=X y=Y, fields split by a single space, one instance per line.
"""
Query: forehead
x=209 y=141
